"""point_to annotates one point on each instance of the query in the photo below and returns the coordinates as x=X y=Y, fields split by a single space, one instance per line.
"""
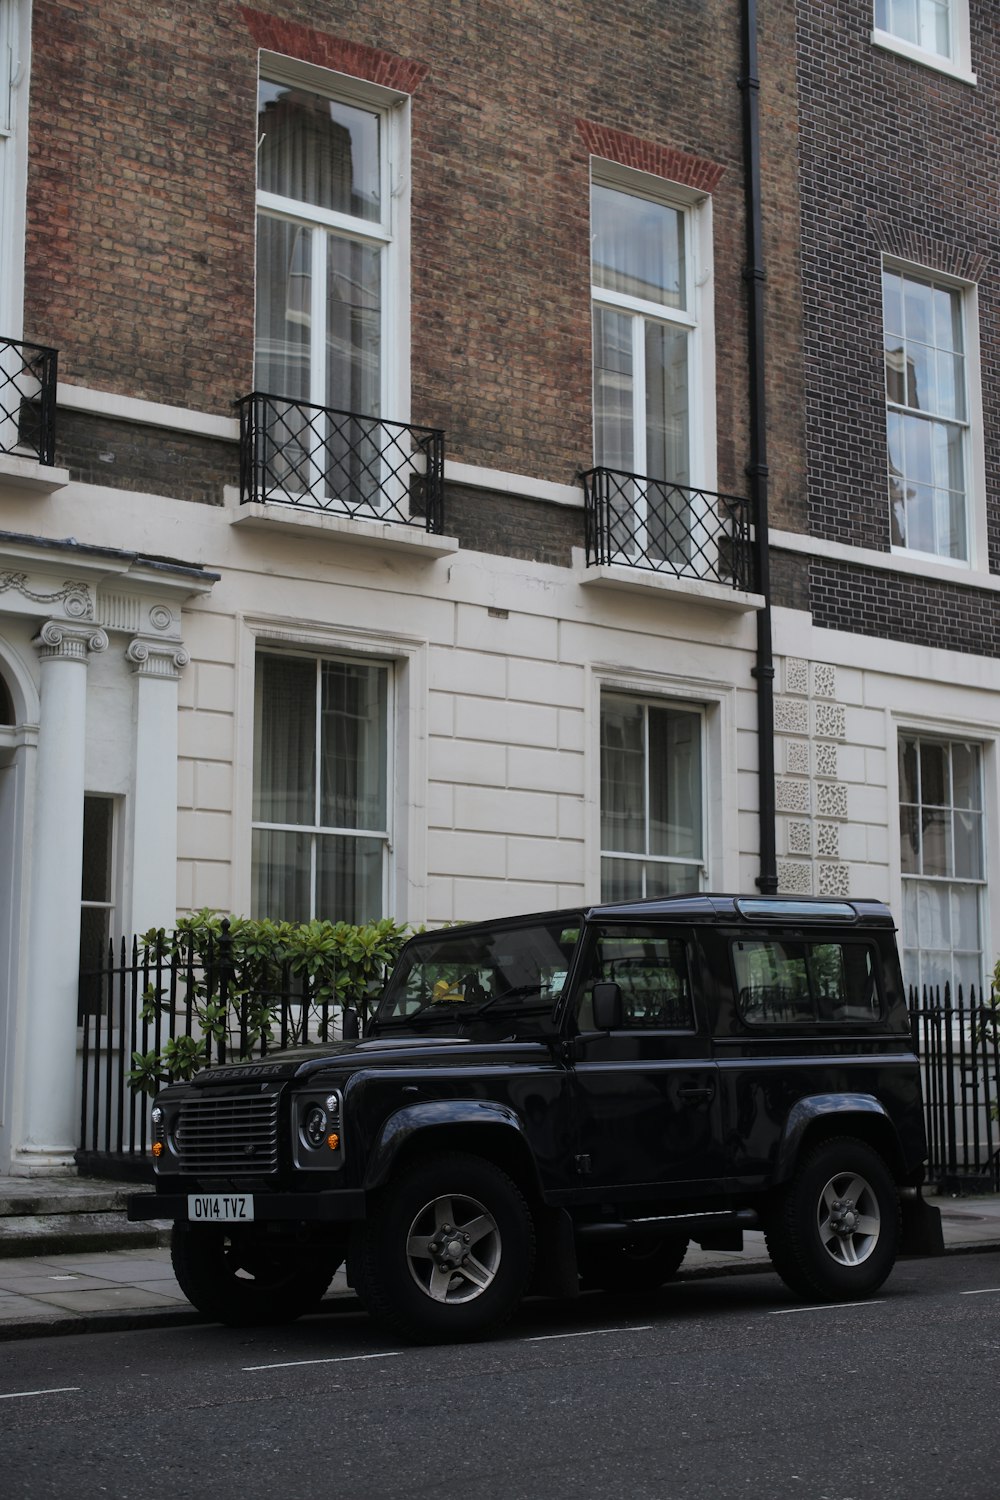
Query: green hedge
x=232 y=970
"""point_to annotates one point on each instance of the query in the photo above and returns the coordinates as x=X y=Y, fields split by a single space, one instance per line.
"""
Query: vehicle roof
x=705 y=908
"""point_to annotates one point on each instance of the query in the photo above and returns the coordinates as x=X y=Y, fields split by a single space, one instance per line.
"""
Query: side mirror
x=609 y=1011
x=351 y=1028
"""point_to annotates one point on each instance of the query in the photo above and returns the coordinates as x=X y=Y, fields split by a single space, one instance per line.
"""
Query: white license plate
x=220 y=1208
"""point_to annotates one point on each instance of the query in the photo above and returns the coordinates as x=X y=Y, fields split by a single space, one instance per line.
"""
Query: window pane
x=965 y=776
x=349 y=879
x=285 y=740
x=614 y=424
x=674 y=783
x=98 y=824
x=621 y=880
x=284 y=292
x=667 y=404
x=280 y=877
x=934 y=779
x=354 y=747
x=317 y=151
x=623 y=776
x=353 y=326
x=637 y=247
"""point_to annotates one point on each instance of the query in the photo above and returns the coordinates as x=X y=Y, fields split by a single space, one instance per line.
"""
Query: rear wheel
x=834 y=1232
x=638 y=1267
x=448 y=1252
x=242 y=1278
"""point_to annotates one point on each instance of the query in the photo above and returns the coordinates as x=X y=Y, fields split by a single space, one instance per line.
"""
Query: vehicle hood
x=402 y=1052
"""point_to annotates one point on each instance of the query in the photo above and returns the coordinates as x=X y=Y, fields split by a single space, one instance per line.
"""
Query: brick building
x=395 y=549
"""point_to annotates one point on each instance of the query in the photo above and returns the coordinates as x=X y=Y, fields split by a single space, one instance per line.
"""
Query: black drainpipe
x=753 y=275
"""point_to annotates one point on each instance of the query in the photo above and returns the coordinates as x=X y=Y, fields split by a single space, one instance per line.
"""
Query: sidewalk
x=81 y=1291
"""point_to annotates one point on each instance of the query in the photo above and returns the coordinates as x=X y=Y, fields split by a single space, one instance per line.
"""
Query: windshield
x=468 y=971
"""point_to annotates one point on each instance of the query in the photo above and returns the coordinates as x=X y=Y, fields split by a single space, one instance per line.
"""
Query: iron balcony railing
x=28 y=400
x=639 y=522
x=321 y=458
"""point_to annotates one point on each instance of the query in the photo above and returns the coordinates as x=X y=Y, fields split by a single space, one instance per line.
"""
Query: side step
x=696 y=1226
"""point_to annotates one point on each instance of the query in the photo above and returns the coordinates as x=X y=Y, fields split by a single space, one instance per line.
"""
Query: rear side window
x=784 y=983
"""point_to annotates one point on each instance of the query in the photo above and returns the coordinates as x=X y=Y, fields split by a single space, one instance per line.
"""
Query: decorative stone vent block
x=824 y=680
x=795 y=877
x=826 y=760
x=799 y=837
x=792 y=796
x=791 y=717
x=830 y=721
x=797 y=757
x=831 y=799
x=796 y=675
x=828 y=840
x=834 y=879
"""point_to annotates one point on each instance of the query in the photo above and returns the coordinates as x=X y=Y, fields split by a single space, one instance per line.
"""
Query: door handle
x=693 y=1093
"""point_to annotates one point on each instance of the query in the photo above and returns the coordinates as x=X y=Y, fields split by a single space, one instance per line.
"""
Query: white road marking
x=54 y=1390
x=778 y=1312
x=980 y=1291
x=338 y=1359
x=587 y=1333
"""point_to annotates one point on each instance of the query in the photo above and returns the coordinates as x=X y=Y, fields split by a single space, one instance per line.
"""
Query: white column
x=157 y=666
x=49 y=1125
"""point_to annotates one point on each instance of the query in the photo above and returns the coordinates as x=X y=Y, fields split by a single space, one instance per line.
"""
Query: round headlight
x=314 y=1126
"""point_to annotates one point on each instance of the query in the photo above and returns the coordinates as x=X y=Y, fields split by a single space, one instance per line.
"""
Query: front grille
x=236 y=1135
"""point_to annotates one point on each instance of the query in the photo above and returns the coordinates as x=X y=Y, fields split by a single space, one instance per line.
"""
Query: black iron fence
x=320 y=458
x=639 y=522
x=958 y=1041
x=146 y=1015
x=28 y=400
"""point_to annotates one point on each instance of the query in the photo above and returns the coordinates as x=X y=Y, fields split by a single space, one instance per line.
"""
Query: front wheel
x=449 y=1250
x=834 y=1231
x=241 y=1278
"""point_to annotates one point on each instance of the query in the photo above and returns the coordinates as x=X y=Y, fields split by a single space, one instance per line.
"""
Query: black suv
x=560 y=1100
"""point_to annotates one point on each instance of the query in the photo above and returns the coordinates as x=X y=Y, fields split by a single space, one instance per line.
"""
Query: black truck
x=559 y=1101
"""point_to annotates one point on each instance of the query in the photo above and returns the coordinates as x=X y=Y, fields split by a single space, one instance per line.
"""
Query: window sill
x=643 y=581
x=890 y=43
x=19 y=472
x=388 y=536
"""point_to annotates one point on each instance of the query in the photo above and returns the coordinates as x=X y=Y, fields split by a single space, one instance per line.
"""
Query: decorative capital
x=164 y=659
x=59 y=641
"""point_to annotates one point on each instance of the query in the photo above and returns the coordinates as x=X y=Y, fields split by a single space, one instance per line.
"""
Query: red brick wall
x=140 y=264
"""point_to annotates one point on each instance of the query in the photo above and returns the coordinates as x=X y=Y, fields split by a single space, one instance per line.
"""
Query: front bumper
x=344 y=1206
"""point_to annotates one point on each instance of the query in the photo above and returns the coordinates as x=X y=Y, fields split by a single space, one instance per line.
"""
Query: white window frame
x=974 y=450
x=406 y=657
x=698 y=315
x=642 y=693
x=391 y=233
x=959 y=62
x=316 y=830
x=949 y=732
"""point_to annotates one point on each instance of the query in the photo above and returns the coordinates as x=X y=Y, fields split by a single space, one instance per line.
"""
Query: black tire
x=448 y=1250
x=635 y=1268
x=833 y=1233
x=240 y=1278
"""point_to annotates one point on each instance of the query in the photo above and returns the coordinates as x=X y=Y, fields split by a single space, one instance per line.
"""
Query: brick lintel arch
x=334 y=52
x=646 y=156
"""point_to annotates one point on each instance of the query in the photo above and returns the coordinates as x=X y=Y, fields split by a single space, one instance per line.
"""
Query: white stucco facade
x=133 y=679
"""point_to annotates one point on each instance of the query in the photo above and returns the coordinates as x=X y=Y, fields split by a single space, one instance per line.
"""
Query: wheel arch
x=821 y=1117
x=492 y=1131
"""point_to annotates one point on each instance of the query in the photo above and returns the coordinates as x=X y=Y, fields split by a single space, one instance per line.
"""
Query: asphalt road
x=713 y=1390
